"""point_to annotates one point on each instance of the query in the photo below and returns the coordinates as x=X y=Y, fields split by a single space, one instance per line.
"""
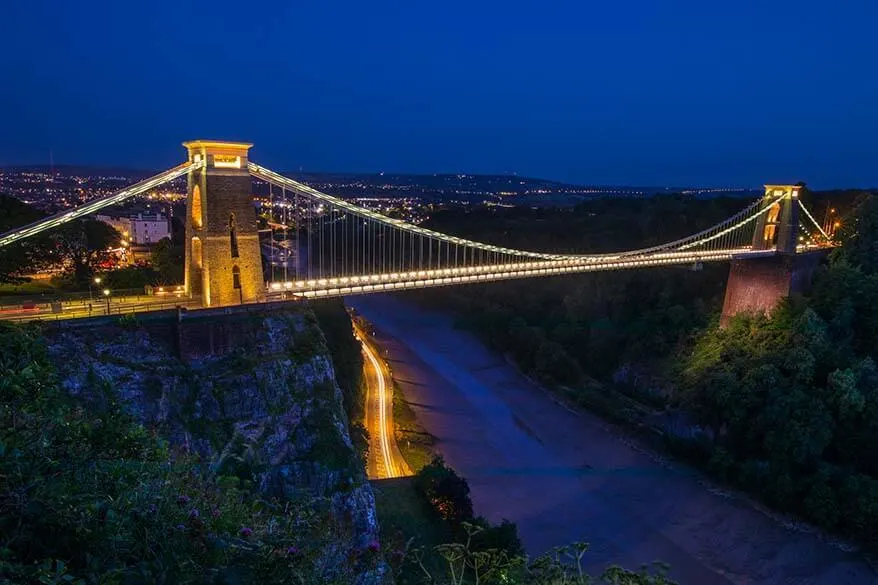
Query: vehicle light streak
x=383 y=439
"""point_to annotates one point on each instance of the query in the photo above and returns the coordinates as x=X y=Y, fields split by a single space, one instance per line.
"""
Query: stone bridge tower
x=757 y=284
x=223 y=255
x=778 y=228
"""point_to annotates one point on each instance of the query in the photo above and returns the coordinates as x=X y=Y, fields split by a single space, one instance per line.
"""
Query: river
x=565 y=476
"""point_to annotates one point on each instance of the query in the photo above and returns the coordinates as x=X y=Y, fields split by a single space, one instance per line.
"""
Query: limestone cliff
x=251 y=389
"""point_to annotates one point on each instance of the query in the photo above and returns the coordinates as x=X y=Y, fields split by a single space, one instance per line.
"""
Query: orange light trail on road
x=383 y=440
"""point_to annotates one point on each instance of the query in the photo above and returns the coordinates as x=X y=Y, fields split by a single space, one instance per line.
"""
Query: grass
x=27 y=288
x=415 y=444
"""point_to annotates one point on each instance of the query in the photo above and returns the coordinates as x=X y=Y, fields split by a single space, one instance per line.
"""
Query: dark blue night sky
x=727 y=92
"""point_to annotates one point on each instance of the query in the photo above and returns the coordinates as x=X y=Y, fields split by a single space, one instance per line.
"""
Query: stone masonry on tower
x=223 y=255
x=756 y=285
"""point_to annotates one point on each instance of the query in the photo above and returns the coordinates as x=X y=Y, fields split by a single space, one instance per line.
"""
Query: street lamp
x=107 y=296
x=97 y=280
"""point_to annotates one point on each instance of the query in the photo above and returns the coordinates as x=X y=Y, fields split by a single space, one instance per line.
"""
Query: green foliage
x=17 y=258
x=503 y=536
x=328 y=447
x=15 y=213
x=859 y=233
x=167 y=260
x=445 y=490
x=792 y=400
x=90 y=496
x=466 y=564
x=360 y=439
x=446 y=531
x=307 y=344
x=347 y=357
x=130 y=277
x=563 y=330
x=788 y=404
x=79 y=246
x=128 y=321
x=407 y=521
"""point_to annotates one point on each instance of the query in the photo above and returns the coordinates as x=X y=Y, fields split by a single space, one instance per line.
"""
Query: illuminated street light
x=107 y=296
x=97 y=280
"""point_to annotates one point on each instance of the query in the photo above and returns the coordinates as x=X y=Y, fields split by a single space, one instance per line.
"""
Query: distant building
x=143 y=228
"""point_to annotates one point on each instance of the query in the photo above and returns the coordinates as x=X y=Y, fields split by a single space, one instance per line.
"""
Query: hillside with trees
x=782 y=406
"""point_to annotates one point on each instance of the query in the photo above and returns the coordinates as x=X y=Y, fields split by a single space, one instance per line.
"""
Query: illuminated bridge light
x=717 y=243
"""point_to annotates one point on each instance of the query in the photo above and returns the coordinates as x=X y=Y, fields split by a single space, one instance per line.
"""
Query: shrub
x=503 y=537
x=447 y=492
x=464 y=563
x=89 y=495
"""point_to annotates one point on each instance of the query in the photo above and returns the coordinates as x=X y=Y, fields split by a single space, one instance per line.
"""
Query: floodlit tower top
x=778 y=190
x=219 y=154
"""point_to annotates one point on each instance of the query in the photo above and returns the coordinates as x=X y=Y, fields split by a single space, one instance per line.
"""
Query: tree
x=859 y=234
x=845 y=397
x=80 y=246
x=88 y=495
x=15 y=213
x=503 y=536
x=447 y=492
x=130 y=277
x=15 y=259
x=13 y=263
x=347 y=355
x=552 y=363
x=167 y=260
x=790 y=399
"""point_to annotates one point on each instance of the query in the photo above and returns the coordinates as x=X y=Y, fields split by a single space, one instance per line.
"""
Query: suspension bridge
x=319 y=245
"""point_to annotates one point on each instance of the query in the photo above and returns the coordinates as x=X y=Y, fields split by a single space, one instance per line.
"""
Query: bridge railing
x=77 y=310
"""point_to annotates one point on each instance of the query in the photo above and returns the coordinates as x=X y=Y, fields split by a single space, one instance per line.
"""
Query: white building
x=142 y=228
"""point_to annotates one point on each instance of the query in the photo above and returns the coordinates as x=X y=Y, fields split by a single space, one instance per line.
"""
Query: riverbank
x=564 y=475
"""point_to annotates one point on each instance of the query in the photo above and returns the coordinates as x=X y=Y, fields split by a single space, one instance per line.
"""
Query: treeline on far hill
x=784 y=407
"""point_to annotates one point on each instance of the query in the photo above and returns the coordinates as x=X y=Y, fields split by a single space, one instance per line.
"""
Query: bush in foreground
x=88 y=495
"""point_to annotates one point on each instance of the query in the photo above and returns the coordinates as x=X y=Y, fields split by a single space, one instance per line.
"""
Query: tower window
x=233 y=235
x=769 y=234
x=195 y=207
x=196 y=251
x=226 y=161
x=236 y=277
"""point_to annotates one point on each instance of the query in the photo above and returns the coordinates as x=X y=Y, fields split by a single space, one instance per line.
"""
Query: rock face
x=265 y=397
